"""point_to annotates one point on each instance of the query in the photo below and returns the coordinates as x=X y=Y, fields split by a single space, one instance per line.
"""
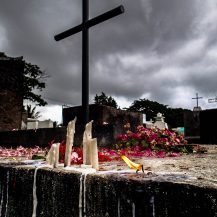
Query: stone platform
x=170 y=187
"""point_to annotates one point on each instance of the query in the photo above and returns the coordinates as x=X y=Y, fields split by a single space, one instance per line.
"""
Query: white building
x=36 y=124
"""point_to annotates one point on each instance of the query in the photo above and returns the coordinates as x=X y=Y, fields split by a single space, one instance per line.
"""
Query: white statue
x=69 y=142
x=159 y=122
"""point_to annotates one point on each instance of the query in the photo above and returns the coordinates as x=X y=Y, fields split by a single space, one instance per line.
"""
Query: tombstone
x=159 y=122
x=102 y=114
x=149 y=124
x=208 y=126
x=32 y=124
x=192 y=126
x=197 y=109
x=45 y=124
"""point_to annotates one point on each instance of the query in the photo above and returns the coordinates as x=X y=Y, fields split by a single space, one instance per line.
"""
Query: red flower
x=136 y=136
x=122 y=137
x=103 y=157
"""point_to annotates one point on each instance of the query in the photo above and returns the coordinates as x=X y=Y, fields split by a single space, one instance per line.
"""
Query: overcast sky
x=162 y=50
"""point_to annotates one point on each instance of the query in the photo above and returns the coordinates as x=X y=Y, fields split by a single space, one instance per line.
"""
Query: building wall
x=11 y=100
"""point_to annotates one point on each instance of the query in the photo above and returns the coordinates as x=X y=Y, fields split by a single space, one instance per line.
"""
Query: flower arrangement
x=153 y=139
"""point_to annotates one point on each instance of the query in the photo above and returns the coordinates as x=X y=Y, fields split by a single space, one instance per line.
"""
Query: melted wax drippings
x=85 y=176
x=6 y=206
x=2 y=195
x=153 y=206
x=119 y=210
x=80 y=196
x=35 y=200
x=133 y=210
x=82 y=190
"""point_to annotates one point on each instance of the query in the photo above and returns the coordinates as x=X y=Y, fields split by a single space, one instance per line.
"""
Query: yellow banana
x=131 y=164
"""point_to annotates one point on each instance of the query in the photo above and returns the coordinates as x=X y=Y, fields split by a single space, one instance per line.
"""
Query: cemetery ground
x=194 y=168
x=173 y=183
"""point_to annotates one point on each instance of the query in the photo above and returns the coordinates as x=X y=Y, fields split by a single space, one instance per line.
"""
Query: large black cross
x=197 y=98
x=84 y=27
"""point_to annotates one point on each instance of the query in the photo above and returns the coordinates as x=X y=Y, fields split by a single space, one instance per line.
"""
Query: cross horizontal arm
x=92 y=22
x=107 y=15
x=68 y=32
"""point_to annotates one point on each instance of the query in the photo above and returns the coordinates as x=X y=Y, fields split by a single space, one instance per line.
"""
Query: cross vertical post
x=85 y=62
x=84 y=27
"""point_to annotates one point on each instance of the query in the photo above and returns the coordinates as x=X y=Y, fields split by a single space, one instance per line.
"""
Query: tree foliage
x=105 y=100
x=31 y=112
x=33 y=81
x=148 y=107
x=173 y=116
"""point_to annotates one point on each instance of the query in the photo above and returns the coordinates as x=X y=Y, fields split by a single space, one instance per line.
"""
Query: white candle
x=53 y=155
x=69 y=142
x=94 y=154
x=56 y=161
x=49 y=155
x=90 y=150
x=86 y=143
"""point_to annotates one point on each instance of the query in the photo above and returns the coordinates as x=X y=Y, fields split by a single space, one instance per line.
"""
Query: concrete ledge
x=104 y=194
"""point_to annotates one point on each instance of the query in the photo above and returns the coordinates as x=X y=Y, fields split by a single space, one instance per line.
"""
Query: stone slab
x=183 y=186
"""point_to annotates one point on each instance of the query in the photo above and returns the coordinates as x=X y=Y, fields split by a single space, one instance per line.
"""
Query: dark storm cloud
x=165 y=50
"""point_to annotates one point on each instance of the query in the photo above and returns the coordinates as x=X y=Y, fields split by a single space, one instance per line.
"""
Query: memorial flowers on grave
x=152 y=139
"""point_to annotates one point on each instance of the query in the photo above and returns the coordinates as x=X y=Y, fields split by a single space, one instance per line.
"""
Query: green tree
x=33 y=80
x=31 y=112
x=105 y=100
x=173 y=116
x=148 y=107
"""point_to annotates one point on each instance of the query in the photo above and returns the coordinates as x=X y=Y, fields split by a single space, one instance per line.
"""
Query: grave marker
x=84 y=27
x=197 y=98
